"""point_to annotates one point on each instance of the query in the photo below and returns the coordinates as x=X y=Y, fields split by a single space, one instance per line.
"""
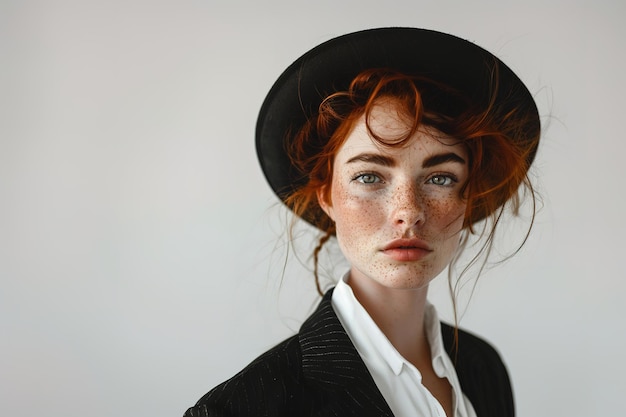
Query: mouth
x=407 y=244
x=406 y=250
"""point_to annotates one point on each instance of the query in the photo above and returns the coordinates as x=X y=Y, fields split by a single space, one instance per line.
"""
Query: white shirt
x=398 y=380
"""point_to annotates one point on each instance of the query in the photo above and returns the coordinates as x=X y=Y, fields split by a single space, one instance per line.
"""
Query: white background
x=140 y=248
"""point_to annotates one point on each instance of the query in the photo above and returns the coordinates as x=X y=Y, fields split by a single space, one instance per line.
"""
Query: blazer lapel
x=329 y=358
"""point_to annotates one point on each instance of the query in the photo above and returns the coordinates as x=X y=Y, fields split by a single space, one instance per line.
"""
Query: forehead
x=390 y=125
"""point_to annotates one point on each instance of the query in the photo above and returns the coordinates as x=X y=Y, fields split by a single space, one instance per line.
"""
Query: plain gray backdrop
x=141 y=252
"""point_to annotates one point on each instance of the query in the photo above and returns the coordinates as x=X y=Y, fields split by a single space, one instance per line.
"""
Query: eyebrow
x=374 y=159
x=442 y=158
x=388 y=161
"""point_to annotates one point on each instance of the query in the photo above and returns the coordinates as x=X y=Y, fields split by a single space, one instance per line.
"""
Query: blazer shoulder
x=470 y=347
x=316 y=372
x=481 y=371
x=261 y=388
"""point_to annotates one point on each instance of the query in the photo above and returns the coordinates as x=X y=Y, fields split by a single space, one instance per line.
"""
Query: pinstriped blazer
x=318 y=372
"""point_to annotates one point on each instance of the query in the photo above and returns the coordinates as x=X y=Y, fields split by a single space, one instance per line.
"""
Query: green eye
x=367 y=178
x=441 y=180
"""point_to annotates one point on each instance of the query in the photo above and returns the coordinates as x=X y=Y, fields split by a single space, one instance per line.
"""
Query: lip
x=406 y=250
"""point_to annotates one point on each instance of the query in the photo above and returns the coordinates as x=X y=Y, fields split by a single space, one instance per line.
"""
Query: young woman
x=400 y=143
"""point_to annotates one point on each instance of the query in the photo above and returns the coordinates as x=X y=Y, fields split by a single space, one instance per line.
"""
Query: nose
x=407 y=206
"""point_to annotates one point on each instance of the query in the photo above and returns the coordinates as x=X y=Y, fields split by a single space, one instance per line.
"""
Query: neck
x=399 y=313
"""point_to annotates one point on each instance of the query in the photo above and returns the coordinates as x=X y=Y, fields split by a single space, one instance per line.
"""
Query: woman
x=401 y=143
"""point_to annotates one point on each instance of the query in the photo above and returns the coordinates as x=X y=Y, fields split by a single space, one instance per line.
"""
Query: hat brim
x=331 y=66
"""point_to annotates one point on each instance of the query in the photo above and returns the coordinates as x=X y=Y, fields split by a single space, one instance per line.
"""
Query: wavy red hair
x=498 y=144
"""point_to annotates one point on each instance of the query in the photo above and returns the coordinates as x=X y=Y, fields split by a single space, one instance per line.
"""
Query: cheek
x=446 y=213
x=356 y=215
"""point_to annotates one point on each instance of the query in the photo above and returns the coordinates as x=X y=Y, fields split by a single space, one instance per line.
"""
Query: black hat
x=296 y=95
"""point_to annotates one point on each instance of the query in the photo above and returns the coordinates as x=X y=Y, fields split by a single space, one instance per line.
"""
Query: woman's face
x=398 y=211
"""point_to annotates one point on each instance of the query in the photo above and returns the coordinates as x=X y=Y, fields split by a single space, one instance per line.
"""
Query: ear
x=323 y=199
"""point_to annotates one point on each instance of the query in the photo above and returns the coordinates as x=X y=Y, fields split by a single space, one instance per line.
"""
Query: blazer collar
x=330 y=358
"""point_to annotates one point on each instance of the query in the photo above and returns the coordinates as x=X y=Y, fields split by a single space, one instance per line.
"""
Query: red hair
x=498 y=145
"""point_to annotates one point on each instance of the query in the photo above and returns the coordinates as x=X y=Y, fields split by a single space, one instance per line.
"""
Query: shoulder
x=481 y=371
x=470 y=348
x=263 y=385
x=287 y=379
x=316 y=372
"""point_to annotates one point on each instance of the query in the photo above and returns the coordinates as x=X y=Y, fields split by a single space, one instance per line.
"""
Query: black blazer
x=318 y=372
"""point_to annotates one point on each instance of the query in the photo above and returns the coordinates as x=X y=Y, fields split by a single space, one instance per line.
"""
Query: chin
x=407 y=279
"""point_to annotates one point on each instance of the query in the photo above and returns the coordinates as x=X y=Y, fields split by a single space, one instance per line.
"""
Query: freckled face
x=398 y=211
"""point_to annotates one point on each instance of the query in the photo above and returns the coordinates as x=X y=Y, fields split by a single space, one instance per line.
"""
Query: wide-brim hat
x=331 y=66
